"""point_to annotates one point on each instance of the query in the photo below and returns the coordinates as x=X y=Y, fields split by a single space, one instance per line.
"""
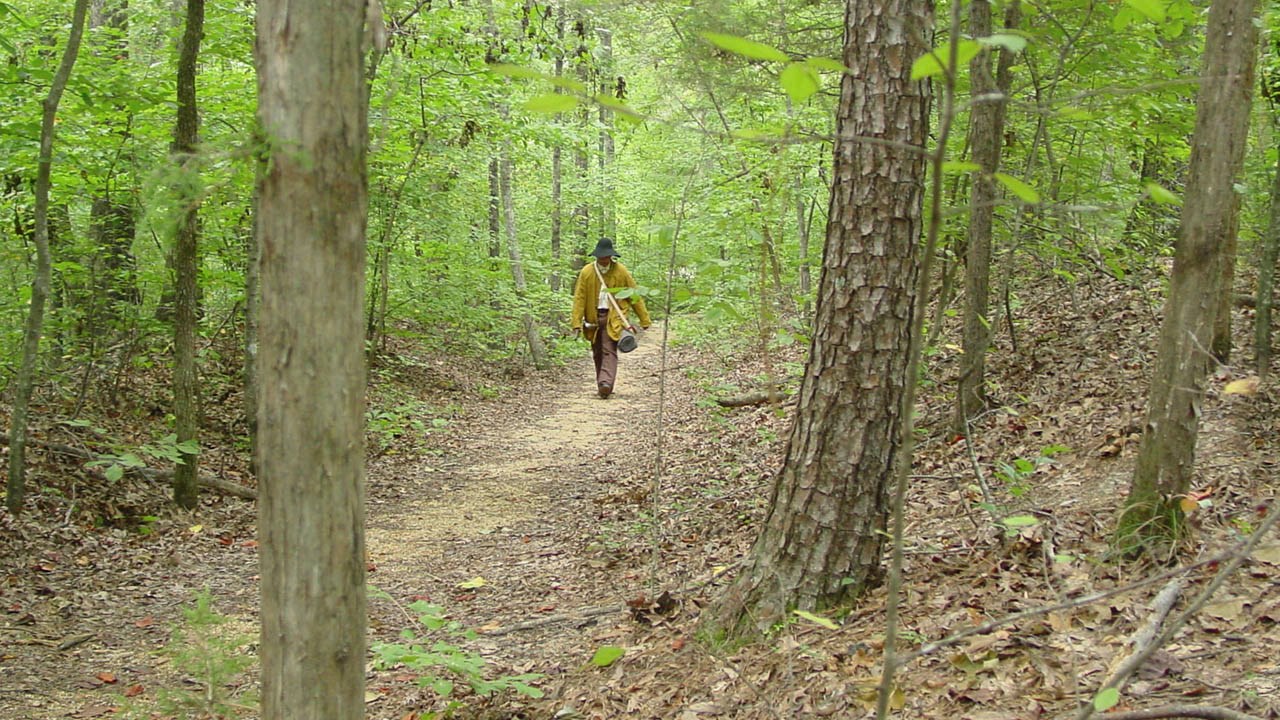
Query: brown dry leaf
x=1229 y=609
x=106 y=677
x=133 y=691
x=1269 y=554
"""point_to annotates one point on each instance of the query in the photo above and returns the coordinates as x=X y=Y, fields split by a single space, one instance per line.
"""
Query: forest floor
x=553 y=524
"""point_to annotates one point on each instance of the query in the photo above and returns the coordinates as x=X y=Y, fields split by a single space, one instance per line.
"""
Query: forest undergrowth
x=563 y=543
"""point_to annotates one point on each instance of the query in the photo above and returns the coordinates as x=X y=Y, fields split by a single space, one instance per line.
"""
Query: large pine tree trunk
x=1152 y=517
x=186 y=260
x=25 y=382
x=986 y=134
x=313 y=206
x=822 y=541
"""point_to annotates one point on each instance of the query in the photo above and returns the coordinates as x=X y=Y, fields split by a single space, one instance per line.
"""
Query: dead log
x=758 y=397
x=217 y=484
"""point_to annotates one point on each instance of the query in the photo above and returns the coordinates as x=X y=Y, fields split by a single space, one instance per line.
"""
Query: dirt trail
x=522 y=473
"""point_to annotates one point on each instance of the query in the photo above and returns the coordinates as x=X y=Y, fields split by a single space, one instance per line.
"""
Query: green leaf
x=473 y=583
x=568 y=84
x=1008 y=41
x=935 y=62
x=800 y=81
x=821 y=63
x=1162 y=195
x=1024 y=191
x=746 y=48
x=114 y=473
x=816 y=619
x=1106 y=699
x=959 y=166
x=1153 y=10
x=551 y=103
x=617 y=106
x=607 y=655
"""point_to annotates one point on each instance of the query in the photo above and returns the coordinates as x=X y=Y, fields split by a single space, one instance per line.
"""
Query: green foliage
x=212 y=659
x=166 y=449
x=432 y=650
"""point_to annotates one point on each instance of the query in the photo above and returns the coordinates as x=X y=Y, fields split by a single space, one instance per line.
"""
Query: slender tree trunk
x=1269 y=248
x=1152 y=517
x=823 y=538
x=581 y=159
x=537 y=349
x=25 y=382
x=612 y=87
x=186 y=261
x=1221 y=345
x=311 y=100
x=495 y=208
x=252 y=303
x=985 y=135
x=557 y=155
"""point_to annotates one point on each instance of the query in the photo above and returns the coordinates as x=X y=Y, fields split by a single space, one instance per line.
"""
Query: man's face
x=605 y=261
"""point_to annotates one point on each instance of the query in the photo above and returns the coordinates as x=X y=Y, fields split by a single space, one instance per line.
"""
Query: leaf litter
x=551 y=499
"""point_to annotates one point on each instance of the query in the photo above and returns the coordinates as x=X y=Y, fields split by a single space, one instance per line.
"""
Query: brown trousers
x=604 y=350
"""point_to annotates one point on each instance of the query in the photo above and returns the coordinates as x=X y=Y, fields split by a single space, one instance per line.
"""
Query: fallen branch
x=223 y=486
x=1205 y=712
x=583 y=614
x=759 y=397
x=1161 y=605
x=1241 y=552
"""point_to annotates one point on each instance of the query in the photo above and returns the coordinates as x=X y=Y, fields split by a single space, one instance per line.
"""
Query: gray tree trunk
x=186 y=266
x=557 y=161
x=823 y=538
x=1152 y=518
x=537 y=349
x=312 y=223
x=16 y=487
x=986 y=131
x=1270 y=247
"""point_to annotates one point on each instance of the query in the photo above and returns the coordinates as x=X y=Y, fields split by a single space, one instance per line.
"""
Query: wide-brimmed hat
x=604 y=248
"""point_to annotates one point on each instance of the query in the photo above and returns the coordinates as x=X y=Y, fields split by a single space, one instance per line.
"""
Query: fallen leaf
x=133 y=691
x=145 y=622
x=106 y=677
x=93 y=711
x=1269 y=554
x=1228 y=610
x=1244 y=386
x=607 y=655
x=196 y=529
x=473 y=583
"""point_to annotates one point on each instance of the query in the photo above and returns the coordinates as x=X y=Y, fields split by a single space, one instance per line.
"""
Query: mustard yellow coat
x=587 y=290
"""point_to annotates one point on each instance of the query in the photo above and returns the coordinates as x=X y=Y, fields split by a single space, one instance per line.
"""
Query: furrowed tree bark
x=1165 y=464
x=186 y=261
x=24 y=384
x=312 y=220
x=823 y=538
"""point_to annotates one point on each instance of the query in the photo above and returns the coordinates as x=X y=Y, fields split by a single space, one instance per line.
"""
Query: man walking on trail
x=595 y=307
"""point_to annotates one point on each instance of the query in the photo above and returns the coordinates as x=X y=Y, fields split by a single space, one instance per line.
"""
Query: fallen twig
x=1236 y=557
x=584 y=614
x=1205 y=712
